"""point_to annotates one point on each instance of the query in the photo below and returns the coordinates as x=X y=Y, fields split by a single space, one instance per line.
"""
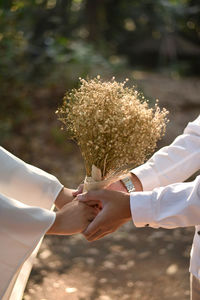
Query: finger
x=75 y=193
x=91 y=212
x=94 y=212
x=78 y=191
x=93 y=215
x=91 y=219
x=98 y=236
x=92 y=195
x=94 y=226
x=95 y=236
x=92 y=237
x=93 y=203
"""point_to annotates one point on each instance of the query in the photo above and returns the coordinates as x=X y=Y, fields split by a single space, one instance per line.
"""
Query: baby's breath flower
x=112 y=124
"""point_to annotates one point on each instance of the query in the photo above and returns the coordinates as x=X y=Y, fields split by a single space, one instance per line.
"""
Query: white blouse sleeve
x=27 y=183
x=27 y=195
x=21 y=228
x=176 y=205
x=174 y=163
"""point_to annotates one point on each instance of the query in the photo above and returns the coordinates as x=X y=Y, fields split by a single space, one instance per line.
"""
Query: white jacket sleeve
x=174 y=163
x=176 y=205
x=27 y=183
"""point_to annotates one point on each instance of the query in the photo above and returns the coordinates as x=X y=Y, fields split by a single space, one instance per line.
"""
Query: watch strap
x=128 y=184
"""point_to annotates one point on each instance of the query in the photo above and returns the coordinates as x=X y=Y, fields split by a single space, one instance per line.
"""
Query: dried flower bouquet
x=113 y=126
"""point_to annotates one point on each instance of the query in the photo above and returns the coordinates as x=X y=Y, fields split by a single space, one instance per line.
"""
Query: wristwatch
x=128 y=184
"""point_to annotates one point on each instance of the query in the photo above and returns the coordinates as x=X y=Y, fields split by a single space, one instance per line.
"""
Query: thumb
x=78 y=191
x=94 y=226
x=93 y=203
x=97 y=195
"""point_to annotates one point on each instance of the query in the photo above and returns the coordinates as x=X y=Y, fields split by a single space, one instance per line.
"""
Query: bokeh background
x=45 y=46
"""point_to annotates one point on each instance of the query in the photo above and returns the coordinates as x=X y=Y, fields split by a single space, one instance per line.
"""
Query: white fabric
x=27 y=195
x=166 y=201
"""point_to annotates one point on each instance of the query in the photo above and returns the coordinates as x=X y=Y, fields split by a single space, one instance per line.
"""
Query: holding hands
x=96 y=213
x=114 y=213
x=114 y=203
x=72 y=217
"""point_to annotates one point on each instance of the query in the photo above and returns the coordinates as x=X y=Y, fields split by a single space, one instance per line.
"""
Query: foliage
x=52 y=42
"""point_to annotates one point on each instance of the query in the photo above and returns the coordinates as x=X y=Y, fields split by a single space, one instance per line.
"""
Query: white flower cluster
x=112 y=124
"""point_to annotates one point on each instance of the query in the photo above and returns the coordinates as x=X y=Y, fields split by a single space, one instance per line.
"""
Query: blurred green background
x=45 y=46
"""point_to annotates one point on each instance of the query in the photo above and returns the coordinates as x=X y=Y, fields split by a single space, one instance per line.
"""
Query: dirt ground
x=132 y=263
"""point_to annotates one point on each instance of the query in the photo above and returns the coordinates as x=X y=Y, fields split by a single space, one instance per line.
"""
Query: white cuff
x=193 y=127
x=141 y=209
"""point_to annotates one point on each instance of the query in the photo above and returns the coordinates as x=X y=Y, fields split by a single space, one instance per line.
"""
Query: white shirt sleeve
x=176 y=205
x=174 y=163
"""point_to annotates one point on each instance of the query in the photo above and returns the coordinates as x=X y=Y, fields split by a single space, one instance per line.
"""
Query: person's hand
x=65 y=196
x=75 y=193
x=72 y=218
x=116 y=186
x=115 y=212
x=80 y=191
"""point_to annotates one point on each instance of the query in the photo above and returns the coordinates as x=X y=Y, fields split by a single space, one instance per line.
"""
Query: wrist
x=120 y=186
x=128 y=206
x=65 y=196
x=131 y=183
x=136 y=181
x=128 y=184
x=53 y=228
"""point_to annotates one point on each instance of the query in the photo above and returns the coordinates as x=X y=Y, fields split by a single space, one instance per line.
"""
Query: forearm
x=65 y=196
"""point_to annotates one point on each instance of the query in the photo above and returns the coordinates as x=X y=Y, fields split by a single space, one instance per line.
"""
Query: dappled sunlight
x=45 y=46
x=125 y=265
x=129 y=264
